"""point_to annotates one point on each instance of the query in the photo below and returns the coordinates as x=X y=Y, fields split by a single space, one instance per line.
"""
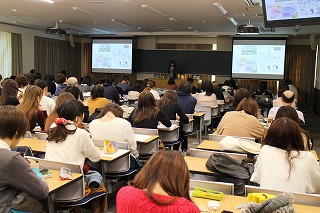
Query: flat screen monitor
x=112 y=55
x=279 y=13
x=260 y=58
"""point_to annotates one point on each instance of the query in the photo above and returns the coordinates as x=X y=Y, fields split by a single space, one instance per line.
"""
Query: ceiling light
x=98 y=2
x=85 y=11
x=233 y=20
x=25 y=12
x=119 y=22
x=176 y=21
x=219 y=6
x=158 y=12
x=248 y=2
x=247 y=33
x=102 y=31
x=48 y=1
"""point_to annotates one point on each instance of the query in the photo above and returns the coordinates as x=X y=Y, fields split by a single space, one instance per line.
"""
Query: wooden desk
x=315 y=154
x=109 y=158
x=198 y=165
x=230 y=202
x=149 y=145
x=55 y=183
x=35 y=144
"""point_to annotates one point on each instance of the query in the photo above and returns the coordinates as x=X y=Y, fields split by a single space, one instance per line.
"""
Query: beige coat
x=239 y=123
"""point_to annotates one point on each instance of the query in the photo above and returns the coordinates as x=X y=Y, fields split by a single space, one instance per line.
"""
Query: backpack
x=264 y=101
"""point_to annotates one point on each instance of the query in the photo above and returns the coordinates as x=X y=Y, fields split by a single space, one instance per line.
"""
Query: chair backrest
x=299 y=198
x=123 y=145
x=215 y=137
x=226 y=188
x=206 y=154
x=206 y=110
x=28 y=134
x=41 y=135
x=74 y=191
x=145 y=131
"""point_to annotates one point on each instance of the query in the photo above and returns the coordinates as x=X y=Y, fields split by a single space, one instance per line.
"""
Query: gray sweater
x=16 y=174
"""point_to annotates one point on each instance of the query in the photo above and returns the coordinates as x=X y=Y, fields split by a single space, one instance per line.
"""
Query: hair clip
x=60 y=121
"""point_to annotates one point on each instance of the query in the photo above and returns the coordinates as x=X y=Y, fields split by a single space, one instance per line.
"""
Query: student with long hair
x=111 y=125
x=97 y=99
x=169 y=106
x=283 y=164
x=15 y=172
x=207 y=98
x=67 y=136
x=240 y=94
x=162 y=185
x=147 y=115
x=290 y=112
x=243 y=122
x=65 y=96
x=151 y=85
x=9 y=93
x=30 y=106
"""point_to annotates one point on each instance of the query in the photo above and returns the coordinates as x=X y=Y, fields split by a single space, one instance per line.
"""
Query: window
x=5 y=54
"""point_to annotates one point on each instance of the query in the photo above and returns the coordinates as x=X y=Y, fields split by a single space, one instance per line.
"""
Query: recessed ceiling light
x=85 y=11
x=232 y=20
x=48 y=1
x=99 y=30
x=176 y=21
x=204 y=21
x=119 y=22
x=98 y=2
x=158 y=12
x=219 y=6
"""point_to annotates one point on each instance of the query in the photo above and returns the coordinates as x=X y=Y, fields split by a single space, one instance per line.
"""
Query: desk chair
x=299 y=198
x=41 y=135
x=207 y=116
x=170 y=138
x=28 y=134
x=146 y=150
x=188 y=128
x=72 y=195
x=226 y=188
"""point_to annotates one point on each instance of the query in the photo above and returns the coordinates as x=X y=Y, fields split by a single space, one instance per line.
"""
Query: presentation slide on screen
x=112 y=56
x=293 y=9
x=261 y=59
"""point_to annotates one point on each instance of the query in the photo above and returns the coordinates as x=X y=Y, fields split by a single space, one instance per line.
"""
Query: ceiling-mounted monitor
x=282 y=13
x=258 y=58
x=112 y=55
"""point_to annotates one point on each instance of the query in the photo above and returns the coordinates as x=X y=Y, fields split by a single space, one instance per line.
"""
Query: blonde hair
x=30 y=102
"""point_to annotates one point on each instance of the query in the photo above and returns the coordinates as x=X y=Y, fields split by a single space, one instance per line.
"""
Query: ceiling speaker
x=71 y=41
x=312 y=42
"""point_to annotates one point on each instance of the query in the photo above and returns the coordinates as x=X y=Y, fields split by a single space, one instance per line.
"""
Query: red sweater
x=131 y=199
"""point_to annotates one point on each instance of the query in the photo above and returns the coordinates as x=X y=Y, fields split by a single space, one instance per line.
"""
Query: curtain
x=87 y=49
x=16 y=43
x=184 y=46
x=300 y=67
x=51 y=56
x=5 y=54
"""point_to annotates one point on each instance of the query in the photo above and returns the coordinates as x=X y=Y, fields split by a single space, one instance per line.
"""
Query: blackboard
x=187 y=61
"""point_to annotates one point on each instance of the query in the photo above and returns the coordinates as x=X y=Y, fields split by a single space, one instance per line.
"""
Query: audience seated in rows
x=217 y=91
x=50 y=83
x=169 y=106
x=64 y=135
x=240 y=94
x=110 y=92
x=151 y=85
x=171 y=84
x=97 y=99
x=23 y=83
x=262 y=91
x=47 y=103
x=16 y=174
x=184 y=99
x=147 y=115
x=283 y=164
x=52 y=117
x=162 y=185
x=207 y=98
x=62 y=84
x=243 y=122
x=30 y=106
x=9 y=93
x=290 y=112
x=86 y=84
x=287 y=100
x=124 y=84
x=194 y=89
x=110 y=125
